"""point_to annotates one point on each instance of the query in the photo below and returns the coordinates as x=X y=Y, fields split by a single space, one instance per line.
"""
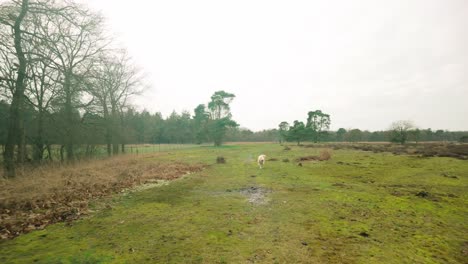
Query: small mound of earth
x=256 y=195
x=308 y=158
x=422 y=194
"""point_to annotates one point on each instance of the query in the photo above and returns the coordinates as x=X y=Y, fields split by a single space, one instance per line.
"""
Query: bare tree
x=41 y=90
x=15 y=127
x=54 y=57
x=74 y=36
x=399 y=131
x=116 y=80
x=8 y=65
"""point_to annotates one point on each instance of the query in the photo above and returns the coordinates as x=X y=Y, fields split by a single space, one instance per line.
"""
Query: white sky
x=367 y=63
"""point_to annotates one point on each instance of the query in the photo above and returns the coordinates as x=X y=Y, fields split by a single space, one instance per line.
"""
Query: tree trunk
x=49 y=152
x=16 y=108
x=115 y=130
x=62 y=158
x=122 y=138
x=69 y=123
x=108 y=135
x=38 y=152
x=115 y=148
x=21 y=157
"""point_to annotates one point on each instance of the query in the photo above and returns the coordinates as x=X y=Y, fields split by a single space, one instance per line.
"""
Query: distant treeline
x=142 y=127
x=41 y=131
x=350 y=135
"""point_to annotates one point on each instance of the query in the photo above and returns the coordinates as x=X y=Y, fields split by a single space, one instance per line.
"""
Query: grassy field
x=357 y=207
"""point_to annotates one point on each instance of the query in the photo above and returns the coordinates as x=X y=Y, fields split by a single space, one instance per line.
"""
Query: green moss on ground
x=358 y=207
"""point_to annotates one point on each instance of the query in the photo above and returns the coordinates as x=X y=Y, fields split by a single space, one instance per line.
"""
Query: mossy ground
x=358 y=207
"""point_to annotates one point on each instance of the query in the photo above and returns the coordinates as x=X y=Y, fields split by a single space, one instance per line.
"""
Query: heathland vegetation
x=354 y=207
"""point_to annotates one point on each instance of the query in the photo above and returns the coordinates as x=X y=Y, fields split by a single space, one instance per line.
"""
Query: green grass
x=317 y=213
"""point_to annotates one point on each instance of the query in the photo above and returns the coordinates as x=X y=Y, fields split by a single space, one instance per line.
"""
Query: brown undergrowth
x=47 y=194
x=325 y=154
x=423 y=149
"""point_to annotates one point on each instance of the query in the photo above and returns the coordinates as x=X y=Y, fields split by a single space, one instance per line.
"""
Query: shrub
x=220 y=160
x=325 y=154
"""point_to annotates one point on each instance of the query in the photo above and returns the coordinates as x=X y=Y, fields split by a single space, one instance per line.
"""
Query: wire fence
x=57 y=152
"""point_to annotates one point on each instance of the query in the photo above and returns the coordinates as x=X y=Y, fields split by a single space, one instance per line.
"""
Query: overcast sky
x=366 y=63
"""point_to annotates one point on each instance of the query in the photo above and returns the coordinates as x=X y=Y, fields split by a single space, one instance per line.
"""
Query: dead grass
x=43 y=195
x=325 y=154
x=423 y=149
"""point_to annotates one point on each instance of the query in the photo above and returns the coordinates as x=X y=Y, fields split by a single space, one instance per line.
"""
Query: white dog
x=261 y=160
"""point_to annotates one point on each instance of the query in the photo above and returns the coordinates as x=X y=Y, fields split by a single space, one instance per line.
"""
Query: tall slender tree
x=220 y=115
x=317 y=123
x=15 y=127
x=283 y=131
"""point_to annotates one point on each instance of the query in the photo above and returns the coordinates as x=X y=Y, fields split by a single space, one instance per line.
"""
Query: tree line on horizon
x=316 y=129
x=143 y=127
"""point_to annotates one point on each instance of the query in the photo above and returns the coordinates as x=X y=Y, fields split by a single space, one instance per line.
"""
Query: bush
x=220 y=160
x=325 y=154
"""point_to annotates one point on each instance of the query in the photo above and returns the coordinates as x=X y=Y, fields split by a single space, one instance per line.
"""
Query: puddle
x=255 y=195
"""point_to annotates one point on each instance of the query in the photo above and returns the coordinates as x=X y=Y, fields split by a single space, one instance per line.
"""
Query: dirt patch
x=338 y=184
x=448 y=175
x=429 y=196
x=48 y=194
x=464 y=249
x=308 y=158
x=343 y=163
x=423 y=194
x=273 y=159
x=364 y=234
x=255 y=195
